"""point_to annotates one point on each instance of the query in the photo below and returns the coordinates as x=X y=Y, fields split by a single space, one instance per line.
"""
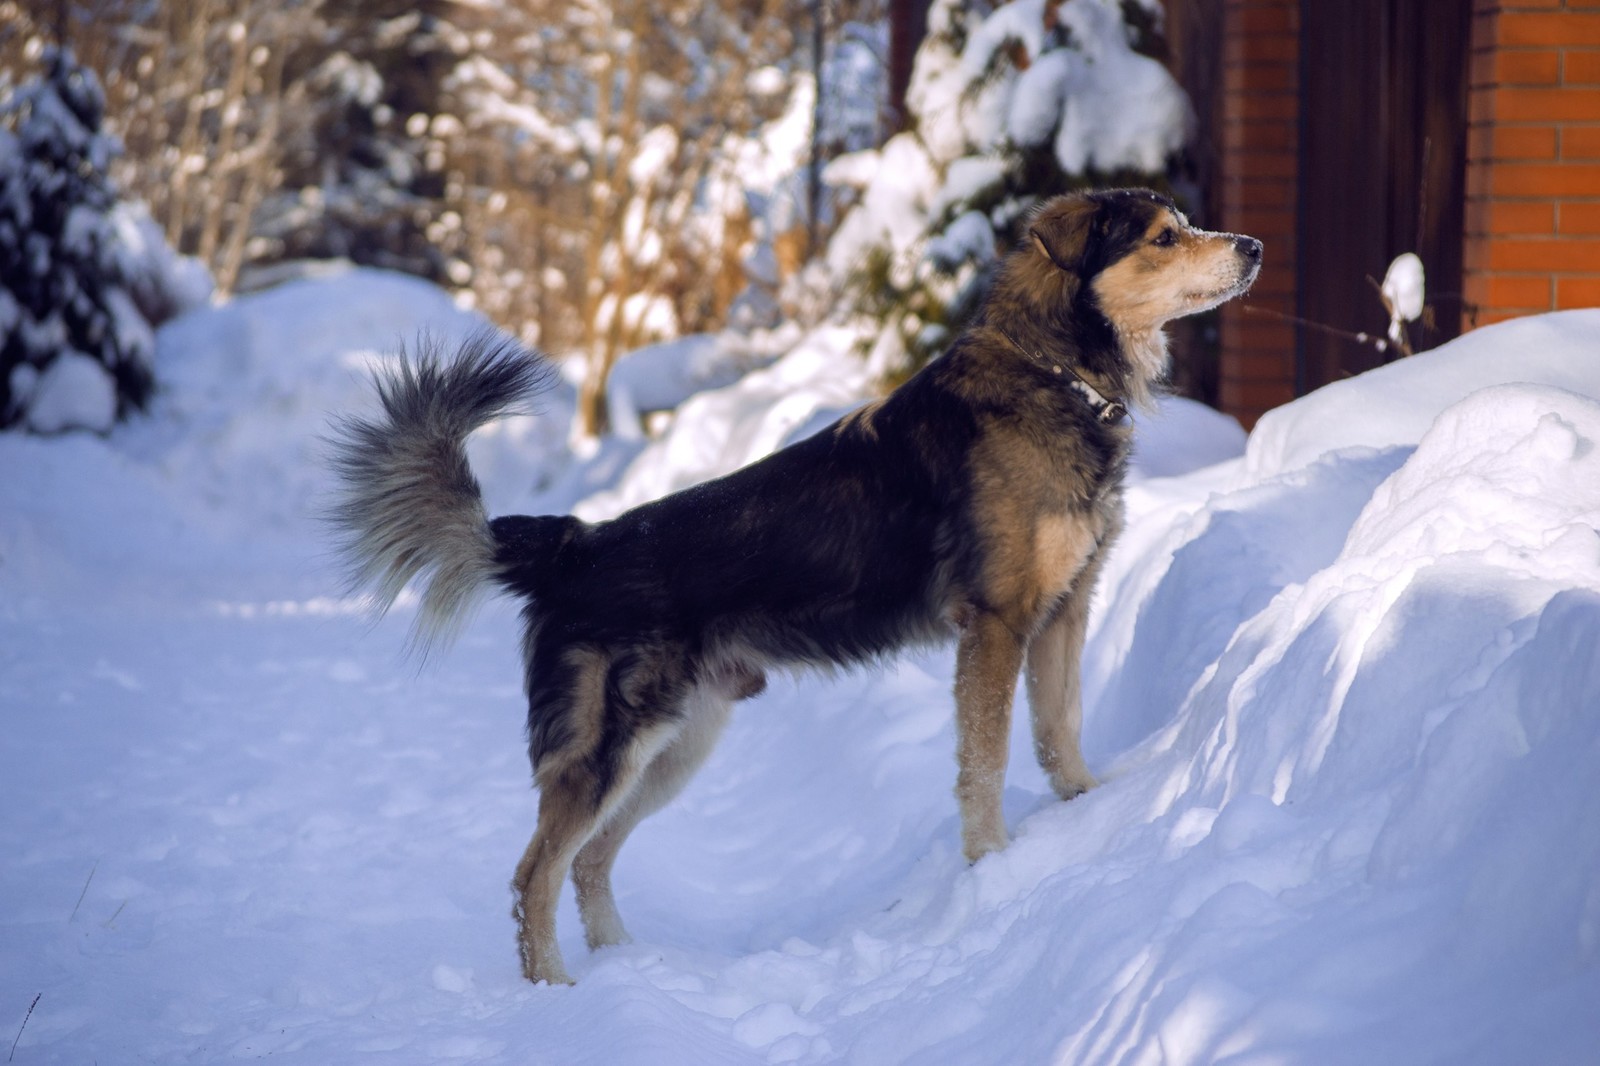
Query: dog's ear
x=1062 y=229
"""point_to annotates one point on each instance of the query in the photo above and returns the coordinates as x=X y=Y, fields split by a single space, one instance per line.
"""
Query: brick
x=1532 y=219
x=1257 y=335
x=1266 y=19
x=1528 y=291
x=1259 y=77
x=1278 y=135
x=1238 y=193
x=1515 y=29
x=1488 y=317
x=1273 y=165
x=1581 y=142
x=1542 y=180
x=1272 y=364
x=1580 y=67
x=1482 y=105
x=1540 y=66
x=1481 y=70
x=1483 y=34
x=1547 y=105
x=1526 y=254
x=1512 y=142
x=1263 y=223
x=1579 y=291
x=1277 y=279
x=1480 y=177
x=1579 y=220
x=1475 y=254
x=1252 y=399
x=1263 y=105
x=1475 y=217
x=1237 y=47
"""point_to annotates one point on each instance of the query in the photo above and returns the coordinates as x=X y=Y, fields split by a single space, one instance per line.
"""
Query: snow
x=1120 y=109
x=1402 y=290
x=1396 y=403
x=74 y=392
x=965 y=180
x=1403 y=287
x=1341 y=690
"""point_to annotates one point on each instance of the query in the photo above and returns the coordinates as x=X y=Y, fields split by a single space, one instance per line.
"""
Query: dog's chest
x=1042 y=506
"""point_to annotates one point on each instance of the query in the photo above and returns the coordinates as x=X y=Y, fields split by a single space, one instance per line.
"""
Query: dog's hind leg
x=1054 y=694
x=705 y=714
x=987 y=661
x=568 y=812
x=578 y=790
x=573 y=805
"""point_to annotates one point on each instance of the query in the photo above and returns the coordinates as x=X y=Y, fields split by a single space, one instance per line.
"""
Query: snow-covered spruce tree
x=1008 y=104
x=74 y=347
x=363 y=177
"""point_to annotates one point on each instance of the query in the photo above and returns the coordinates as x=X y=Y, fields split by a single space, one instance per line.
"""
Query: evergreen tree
x=75 y=349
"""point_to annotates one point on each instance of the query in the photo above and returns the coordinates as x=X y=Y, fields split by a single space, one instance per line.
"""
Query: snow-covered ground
x=1342 y=689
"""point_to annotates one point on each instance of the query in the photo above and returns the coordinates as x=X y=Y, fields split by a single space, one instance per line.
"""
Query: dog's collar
x=1107 y=412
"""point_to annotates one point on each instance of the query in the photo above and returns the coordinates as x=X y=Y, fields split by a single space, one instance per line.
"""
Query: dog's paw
x=1071 y=785
x=606 y=936
x=976 y=845
x=547 y=974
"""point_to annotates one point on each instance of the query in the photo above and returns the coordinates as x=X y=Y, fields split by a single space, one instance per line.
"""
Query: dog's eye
x=1166 y=238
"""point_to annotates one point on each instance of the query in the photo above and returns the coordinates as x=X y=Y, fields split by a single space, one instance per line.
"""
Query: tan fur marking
x=565 y=821
x=987 y=660
x=1061 y=545
x=584 y=714
x=1035 y=540
x=1054 y=694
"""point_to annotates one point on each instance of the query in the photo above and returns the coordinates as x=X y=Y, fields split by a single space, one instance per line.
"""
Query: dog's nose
x=1248 y=247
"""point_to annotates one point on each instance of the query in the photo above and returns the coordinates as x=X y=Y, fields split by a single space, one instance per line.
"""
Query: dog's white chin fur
x=1147 y=351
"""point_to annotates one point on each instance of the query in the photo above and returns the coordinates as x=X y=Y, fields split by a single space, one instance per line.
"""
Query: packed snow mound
x=1394 y=404
x=1365 y=738
x=1343 y=705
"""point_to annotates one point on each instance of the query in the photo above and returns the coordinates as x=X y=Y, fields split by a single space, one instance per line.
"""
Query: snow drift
x=1341 y=689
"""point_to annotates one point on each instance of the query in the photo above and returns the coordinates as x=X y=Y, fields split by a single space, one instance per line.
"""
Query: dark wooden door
x=1383 y=141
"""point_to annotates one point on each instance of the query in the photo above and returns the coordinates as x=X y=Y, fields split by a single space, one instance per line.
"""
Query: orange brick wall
x=1533 y=159
x=1258 y=166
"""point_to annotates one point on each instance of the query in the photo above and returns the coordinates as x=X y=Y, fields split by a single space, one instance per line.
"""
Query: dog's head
x=1140 y=257
x=1138 y=262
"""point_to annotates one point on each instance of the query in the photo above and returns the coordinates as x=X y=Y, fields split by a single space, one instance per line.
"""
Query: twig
x=23 y=1026
x=1380 y=343
x=85 y=891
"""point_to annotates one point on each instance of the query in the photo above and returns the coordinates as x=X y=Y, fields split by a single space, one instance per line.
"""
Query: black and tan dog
x=976 y=501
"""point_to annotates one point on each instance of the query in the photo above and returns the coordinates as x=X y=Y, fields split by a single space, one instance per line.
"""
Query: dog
x=976 y=501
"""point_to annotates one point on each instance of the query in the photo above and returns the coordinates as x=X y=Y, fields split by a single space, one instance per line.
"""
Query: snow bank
x=1341 y=691
x=1359 y=698
x=1394 y=404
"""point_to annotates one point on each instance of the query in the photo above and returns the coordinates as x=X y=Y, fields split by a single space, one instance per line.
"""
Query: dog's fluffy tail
x=407 y=502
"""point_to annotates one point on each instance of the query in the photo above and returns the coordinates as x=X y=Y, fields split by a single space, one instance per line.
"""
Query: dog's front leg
x=1053 y=690
x=987 y=661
